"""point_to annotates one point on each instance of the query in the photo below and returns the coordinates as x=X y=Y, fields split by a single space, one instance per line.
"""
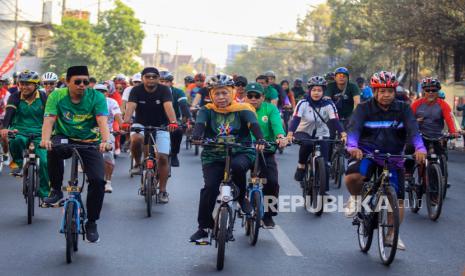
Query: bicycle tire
x=415 y=194
x=340 y=170
x=222 y=236
x=30 y=178
x=306 y=186
x=388 y=258
x=196 y=150
x=366 y=227
x=70 y=226
x=318 y=187
x=148 y=192
x=445 y=174
x=256 y=219
x=434 y=191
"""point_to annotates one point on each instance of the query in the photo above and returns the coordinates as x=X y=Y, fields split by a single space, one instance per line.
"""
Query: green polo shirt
x=29 y=116
x=270 y=122
x=77 y=121
x=271 y=94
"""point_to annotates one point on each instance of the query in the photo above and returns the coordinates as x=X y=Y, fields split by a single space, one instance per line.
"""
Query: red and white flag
x=10 y=59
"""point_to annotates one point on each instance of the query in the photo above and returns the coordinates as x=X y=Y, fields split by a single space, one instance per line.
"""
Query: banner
x=9 y=61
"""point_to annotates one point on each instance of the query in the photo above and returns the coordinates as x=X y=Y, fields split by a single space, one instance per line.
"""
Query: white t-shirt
x=310 y=121
x=126 y=93
x=113 y=110
x=3 y=103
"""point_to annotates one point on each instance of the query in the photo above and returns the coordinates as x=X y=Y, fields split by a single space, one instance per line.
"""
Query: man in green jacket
x=271 y=94
x=25 y=115
x=271 y=126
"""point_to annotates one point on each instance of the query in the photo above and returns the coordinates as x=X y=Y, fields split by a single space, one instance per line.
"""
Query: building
x=205 y=66
x=233 y=50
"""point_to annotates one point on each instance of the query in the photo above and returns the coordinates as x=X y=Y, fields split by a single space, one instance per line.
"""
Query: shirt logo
x=157 y=101
x=265 y=119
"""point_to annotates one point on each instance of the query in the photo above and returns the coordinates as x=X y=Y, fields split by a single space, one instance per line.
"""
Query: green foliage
x=75 y=43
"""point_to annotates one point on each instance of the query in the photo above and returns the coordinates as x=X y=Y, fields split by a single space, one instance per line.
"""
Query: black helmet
x=329 y=76
x=240 y=81
x=166 y=75
x=189 y=79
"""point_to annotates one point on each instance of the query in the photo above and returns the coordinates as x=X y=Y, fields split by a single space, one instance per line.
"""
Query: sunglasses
x=151 y=76
x=79 y=81
x=240 y=84
x=340 y=75
x=49 y=83
x=431 y=90
x=256 y=96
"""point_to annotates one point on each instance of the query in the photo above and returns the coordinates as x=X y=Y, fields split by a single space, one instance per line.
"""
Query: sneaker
x=108 y=188
x=117 y=151
x=137 y=170
x=163 y=197
x=174 y=161
x=200 y=237
x=16 y=172
x=268 y=222
x=299 y=174
x=350 y=209
x=54 y=198
x=400 y=243
x=91 y=232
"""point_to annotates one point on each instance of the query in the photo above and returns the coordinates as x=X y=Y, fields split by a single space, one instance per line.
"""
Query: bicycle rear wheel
x=30 y=178
x=256 y=219
x=148 y=179
x=388 y=227
x=318 y=187
x=70 y=230
x=445 y=173
x=222 y=236
x=415 y=191
x=434 y=191
x=196 y=149
x=339 y=171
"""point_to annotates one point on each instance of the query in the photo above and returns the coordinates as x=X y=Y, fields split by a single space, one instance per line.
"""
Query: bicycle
x=384 y=217
x=150 y=185
x=225 y=211
x=74 y=218
x=428 y=180
x=30 y=172
x=2 y=158
x=338 y=164
x=314 y=183
x=254 y=194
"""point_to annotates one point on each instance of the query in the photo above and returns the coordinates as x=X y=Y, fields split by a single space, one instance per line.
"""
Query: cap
x=254 y=87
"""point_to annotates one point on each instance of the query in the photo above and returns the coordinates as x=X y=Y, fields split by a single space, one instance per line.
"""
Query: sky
x=176 y=21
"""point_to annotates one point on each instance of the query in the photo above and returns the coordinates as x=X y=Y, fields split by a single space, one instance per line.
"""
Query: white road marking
x=286 y=244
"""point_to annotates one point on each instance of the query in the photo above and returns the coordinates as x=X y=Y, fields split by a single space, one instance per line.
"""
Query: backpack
x=16 y=97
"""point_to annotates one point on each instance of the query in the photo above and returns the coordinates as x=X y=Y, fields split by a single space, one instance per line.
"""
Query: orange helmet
x=384 y=79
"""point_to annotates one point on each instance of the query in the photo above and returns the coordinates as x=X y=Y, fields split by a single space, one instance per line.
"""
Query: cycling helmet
x=270 y=74
x=430 y=82
x=101 y=87
x=166 y=75
x=120 y=77
x=189 y=79
x=111 y=86
x=442 y=94
x=317 y=81
x=50 y=76
x=199 y=77
x=220 y=80
x=29 y=76
x=298 y=82
x=342 y=70
x=16 y=74
x=240 y=81
x=5 y=79
x=384 y=79
x=329 y=76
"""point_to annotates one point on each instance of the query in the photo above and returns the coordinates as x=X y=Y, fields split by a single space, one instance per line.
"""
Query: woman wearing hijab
x=225 y=119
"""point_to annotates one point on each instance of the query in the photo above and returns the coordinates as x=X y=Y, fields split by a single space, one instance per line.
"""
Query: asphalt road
x=302 y=244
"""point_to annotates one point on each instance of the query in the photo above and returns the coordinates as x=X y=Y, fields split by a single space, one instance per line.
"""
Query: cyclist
x=92 y=82
x=383 y=124
x=401 y=95
x=271 y=94
x=345 y=94
x=298 y=90
x=431 y=112
x=4 y=95
x=199 y=83
x=329 y=77
x=289 y=93
x=269 y=120
x=181 y=108
x=25 y=115
x=202 y=95
x=223 y=117
x=240 y=83
x=135 y=81
x=77 y=115
x=187 y=81
x=314 y=117
x=49 y=81
x=365 y=91
x=153 y=105
x=114 y=115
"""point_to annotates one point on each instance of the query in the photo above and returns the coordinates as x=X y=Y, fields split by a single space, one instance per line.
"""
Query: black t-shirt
x=150 y=110
x=205 y=99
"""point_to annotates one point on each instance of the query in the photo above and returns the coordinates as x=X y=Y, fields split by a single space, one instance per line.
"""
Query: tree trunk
x=459 y=62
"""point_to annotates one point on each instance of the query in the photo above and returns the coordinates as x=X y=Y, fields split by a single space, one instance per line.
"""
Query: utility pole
x=157 y=49
x=16 y=35
x=63 y=10
x=176 y=62
x=98 y=11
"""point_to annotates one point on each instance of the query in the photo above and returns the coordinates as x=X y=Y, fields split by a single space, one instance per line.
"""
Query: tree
x=75 y=43
x=123 y=36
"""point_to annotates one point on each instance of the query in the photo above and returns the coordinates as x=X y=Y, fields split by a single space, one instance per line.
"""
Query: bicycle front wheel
x=256 y=219
x=415 y=191
x=222 y=236
x=30 y=178
x=70 y=230
x=148 y=180
x=434 y=191
x=388 y=226
x=339 y=171
x=318 y=188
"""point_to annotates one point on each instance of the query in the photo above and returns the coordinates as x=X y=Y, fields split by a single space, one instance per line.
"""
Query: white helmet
x=50 y=76
x=137 y=77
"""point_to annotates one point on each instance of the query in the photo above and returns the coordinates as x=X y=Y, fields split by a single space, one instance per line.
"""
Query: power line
x=231 y=34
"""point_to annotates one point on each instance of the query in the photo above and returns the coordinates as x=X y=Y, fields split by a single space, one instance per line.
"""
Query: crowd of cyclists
x=265 y=114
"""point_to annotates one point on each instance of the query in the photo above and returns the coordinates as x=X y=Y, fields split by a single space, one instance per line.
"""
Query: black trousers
x=94 y=168
x=176 y=139
x=213 y=175
x=271 y=188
